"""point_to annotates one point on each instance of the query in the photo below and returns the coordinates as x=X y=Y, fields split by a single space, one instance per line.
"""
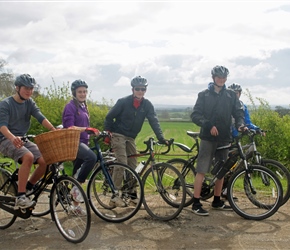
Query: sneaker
x=24 y=202
x=116 y=201
x=77 y=211
x=197 y=209
x=221 y=206
x=76 y=195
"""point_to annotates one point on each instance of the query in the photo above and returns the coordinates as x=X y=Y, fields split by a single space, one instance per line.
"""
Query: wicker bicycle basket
x=59 y=145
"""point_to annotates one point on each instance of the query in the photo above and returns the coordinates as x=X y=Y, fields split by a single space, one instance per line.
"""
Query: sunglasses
x=138 y=89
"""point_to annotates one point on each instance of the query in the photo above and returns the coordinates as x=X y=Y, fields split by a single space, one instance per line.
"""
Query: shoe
x=116 y=201
x=197 y=209
x=76 y=195
x=24 y=202
x=221 y=206
x=77 y=211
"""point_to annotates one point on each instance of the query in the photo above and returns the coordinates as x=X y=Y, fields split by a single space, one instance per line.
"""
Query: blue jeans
x=86 y=160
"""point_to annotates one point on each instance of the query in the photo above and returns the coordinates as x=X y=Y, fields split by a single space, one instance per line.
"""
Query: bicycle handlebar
x=150 y=142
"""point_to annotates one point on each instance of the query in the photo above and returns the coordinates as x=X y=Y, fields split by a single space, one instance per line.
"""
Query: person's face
x=238 y=93
x=25 y=92
x=81 y=94
x=219 y=81
x=139 y=91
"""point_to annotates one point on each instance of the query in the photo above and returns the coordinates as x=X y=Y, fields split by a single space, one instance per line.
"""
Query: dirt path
x=219 y=230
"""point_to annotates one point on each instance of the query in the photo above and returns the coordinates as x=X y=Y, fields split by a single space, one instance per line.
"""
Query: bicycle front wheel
x=100 y=193
x=42 y=206
x=254 y=194
x=9 y=189
x=164 y=191
x=72 y=219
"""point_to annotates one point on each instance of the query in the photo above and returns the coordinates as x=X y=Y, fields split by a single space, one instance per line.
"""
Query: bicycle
x=164 y=186
x=101 y=187
x=253 y=183
x=73 y=226
x=187 y=167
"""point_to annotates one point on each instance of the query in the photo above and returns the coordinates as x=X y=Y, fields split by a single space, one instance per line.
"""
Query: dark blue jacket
x=125 y=119
x=217 y=109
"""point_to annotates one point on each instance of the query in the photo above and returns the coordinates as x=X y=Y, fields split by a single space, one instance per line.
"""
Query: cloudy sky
x=174 y=44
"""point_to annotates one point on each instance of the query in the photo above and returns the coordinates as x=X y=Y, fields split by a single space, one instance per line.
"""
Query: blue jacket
x=125 y=119
x=248 y=122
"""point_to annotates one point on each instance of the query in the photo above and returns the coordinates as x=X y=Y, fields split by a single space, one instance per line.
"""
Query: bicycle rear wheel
x=188 y=172
x=72 y=219
x=100 y=193
x=258 y=192
x=163 y=198
x=8 y=188
x=283 y=175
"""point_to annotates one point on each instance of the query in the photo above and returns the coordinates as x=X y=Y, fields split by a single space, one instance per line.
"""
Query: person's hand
x=214 y=131
x=243 y=128
x=17 y=142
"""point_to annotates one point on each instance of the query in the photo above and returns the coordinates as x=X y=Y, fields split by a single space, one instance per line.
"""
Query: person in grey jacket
x=124 y=121
x=213 y=112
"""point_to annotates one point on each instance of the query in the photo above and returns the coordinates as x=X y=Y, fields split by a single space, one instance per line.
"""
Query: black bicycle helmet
x=25 y=80
x=139 y=81
x=78 y=83
x=236 y=87
x=220 y=71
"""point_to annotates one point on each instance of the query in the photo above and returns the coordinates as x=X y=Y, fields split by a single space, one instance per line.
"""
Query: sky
x=174 y=44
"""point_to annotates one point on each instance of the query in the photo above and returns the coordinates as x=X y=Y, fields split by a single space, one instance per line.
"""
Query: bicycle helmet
x=220 y=71
x=235 y=87
x=78 y=83
x=139 y=81
x=25 y=80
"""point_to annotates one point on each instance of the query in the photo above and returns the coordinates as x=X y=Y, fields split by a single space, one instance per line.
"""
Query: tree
x=6 y=81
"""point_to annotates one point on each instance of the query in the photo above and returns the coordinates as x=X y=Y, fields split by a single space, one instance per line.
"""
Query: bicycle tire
x=42 y=206
x=188 y=172
x=10 y=189
x=282 y=173
x=259 y=205
x=99 y=193
x=72 y=225
x=158 y=198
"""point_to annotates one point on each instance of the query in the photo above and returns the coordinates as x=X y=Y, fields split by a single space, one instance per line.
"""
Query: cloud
x=173 y=44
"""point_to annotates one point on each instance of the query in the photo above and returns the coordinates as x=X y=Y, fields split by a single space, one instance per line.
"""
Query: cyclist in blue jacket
x=238 y=90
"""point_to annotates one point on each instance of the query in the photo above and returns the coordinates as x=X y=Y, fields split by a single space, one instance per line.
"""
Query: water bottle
x=139 y=168
x=227 y=166
x=217 y=166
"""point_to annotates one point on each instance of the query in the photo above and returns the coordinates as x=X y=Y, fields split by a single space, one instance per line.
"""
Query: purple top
x=73 y=117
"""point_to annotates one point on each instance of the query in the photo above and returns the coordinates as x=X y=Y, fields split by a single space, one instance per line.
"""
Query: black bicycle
x=71 y=223
x=164 y=186
x=101 y=187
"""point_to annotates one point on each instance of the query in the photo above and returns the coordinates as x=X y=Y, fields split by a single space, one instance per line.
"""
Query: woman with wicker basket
x=76 y=115
x=15 y=113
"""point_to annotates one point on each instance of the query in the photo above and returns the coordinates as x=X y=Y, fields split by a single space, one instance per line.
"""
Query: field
x=175 y=130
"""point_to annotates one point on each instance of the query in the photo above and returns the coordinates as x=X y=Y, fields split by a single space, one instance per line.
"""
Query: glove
x=107 y=139
x=92 y=131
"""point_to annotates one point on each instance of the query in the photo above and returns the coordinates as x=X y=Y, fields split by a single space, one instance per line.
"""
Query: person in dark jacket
x=213 y=112
x=124 y=121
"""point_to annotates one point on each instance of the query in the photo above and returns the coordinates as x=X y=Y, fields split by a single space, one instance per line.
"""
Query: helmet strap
x=18 y=92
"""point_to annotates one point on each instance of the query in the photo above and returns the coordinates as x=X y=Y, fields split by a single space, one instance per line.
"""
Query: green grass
x=175 y=130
